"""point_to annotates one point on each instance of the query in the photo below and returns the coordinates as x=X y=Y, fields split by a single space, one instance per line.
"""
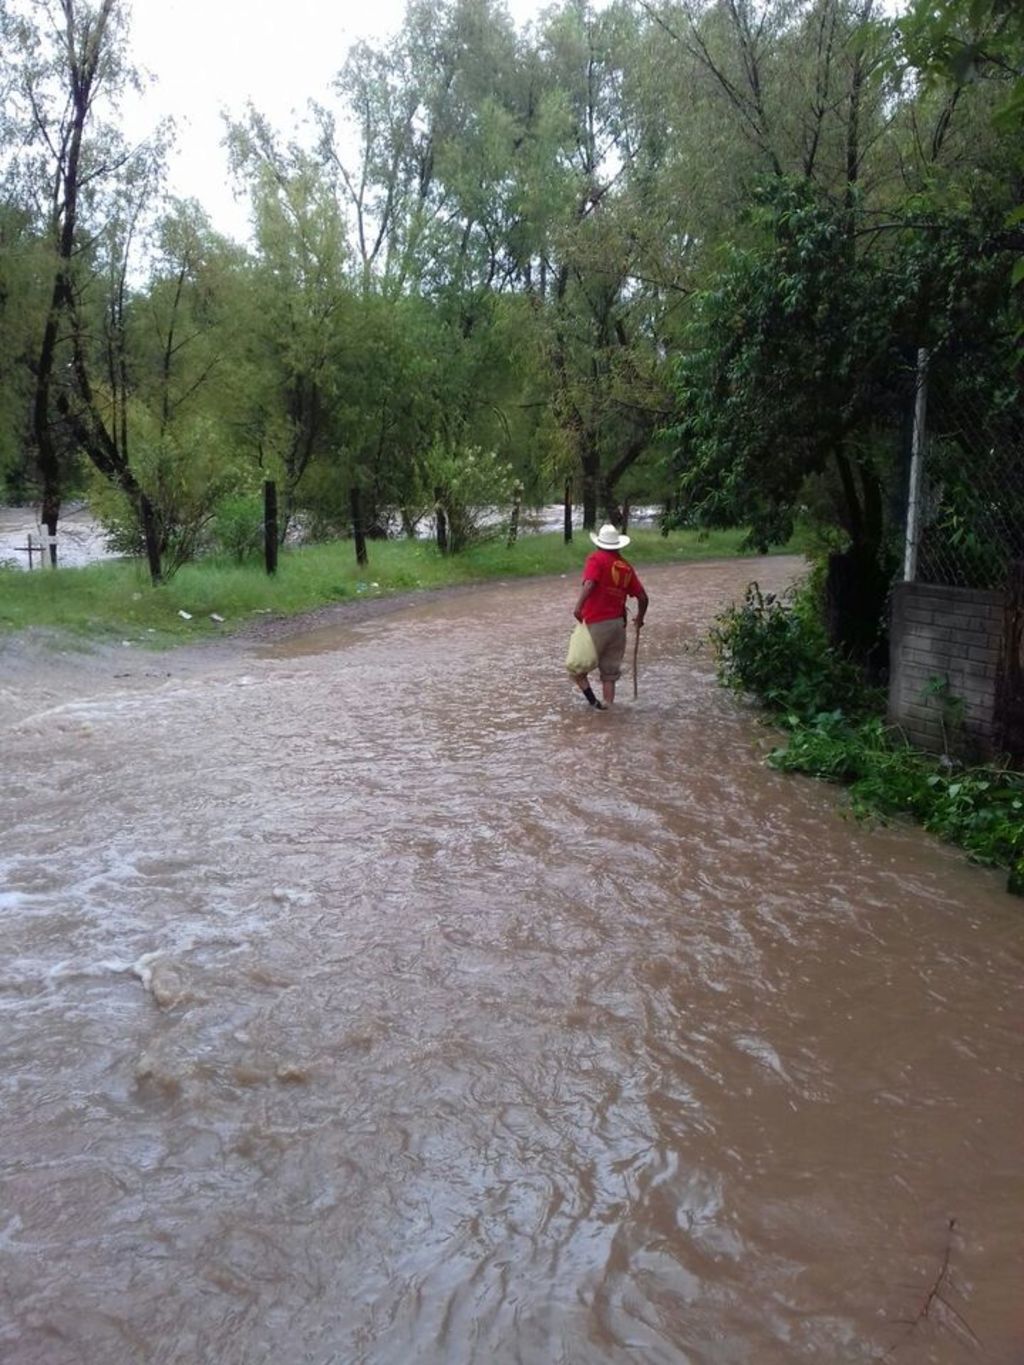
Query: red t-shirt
x=614 y=580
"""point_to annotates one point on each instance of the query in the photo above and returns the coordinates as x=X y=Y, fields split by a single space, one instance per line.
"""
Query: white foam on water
x=9 y=1232
x=287 y=895
x=765 y=1054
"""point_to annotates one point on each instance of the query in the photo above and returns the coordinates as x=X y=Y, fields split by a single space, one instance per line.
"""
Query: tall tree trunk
x=612 y=510
x=635 y=447
x=590 y=462
x=42 y=431
x=858 y=579
x=852 y=514
x=50 y=514
x=873 y=503
x=87 y=424
x=856 y=589
x=151 y=535
x=84 y=50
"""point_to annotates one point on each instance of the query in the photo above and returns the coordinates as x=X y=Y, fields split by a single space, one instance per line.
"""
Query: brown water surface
x=366 y=998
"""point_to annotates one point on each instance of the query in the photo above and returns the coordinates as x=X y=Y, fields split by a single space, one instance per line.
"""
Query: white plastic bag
x=582 y=656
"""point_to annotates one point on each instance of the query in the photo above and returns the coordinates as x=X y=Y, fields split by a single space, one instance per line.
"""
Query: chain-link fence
x=968 y=523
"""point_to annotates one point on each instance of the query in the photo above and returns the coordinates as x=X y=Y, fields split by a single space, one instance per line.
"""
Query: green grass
x=115 y=600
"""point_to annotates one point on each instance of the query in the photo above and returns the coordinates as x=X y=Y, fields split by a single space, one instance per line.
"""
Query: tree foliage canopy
x=677 y=249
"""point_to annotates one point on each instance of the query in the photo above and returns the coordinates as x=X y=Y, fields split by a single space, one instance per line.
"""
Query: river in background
x=82 y=540
x=367 y=998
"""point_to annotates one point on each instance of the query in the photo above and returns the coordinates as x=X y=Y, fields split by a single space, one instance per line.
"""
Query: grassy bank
x=776 y=651
x=114 y=600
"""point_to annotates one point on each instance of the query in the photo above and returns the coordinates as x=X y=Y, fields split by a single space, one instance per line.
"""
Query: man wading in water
x=607 y=581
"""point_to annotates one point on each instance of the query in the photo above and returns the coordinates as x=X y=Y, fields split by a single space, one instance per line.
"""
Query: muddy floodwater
x=364 y=997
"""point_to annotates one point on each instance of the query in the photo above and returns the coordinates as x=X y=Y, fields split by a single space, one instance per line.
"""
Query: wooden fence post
x=567 y=512
x=358 y=534
x=270 y=526
x=517 y=503
x=441 y=521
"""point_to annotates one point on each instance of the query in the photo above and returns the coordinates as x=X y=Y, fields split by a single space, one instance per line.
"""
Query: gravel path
x=43 y=668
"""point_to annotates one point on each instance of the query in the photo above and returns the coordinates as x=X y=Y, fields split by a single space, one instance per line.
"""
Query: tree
x=609 y=286
x=960 y=46
x=449 y=149
x=164 y=342
x=963 y=42
x=799 y=375
x=299 y=300
x=23 y=301
x=68 y=55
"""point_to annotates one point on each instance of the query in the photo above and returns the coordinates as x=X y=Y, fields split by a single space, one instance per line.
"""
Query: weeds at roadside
x=774 y=648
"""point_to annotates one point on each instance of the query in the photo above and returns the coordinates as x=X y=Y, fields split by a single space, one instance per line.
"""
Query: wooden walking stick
x=636 y=651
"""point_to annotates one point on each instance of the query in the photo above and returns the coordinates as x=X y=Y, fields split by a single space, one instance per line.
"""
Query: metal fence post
x=917 y=445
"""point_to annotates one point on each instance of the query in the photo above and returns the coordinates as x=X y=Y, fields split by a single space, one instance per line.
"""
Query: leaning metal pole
x=917 y=445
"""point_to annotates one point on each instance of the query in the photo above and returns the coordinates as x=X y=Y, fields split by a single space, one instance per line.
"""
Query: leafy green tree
x=611 y=277
x=298 y=303
x=23 y=298
x=963 y=42
x=61 y=59
x=787 y=350
x=429 y=115
x=799 y=376
x=167 y=359
x=971 y=52
x=469 y=482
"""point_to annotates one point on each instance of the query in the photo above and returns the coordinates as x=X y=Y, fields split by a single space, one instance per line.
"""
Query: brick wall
x=955 y=635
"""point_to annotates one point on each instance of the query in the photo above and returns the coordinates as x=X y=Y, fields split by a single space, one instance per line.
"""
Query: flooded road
x=367 y=998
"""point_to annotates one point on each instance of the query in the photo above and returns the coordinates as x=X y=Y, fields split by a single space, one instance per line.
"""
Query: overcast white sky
x=212 y=55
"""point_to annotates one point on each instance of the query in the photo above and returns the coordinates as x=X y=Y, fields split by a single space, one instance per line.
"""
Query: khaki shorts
x=609 y=639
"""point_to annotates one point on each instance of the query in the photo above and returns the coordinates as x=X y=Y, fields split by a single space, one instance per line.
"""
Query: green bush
x=775 y=649
x=238 y=527
x=185 y=471
x=471 y=482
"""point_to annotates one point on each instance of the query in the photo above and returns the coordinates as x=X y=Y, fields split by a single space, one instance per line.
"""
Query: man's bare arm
x=588 y=587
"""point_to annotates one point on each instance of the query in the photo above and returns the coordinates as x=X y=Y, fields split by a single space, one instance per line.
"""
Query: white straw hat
x=608 y=538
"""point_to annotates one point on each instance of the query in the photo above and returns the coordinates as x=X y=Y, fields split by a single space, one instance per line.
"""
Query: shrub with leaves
x=237 y=528
x=185 y=471
x=472 y=483
x=981 y=809
x=774 y=648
